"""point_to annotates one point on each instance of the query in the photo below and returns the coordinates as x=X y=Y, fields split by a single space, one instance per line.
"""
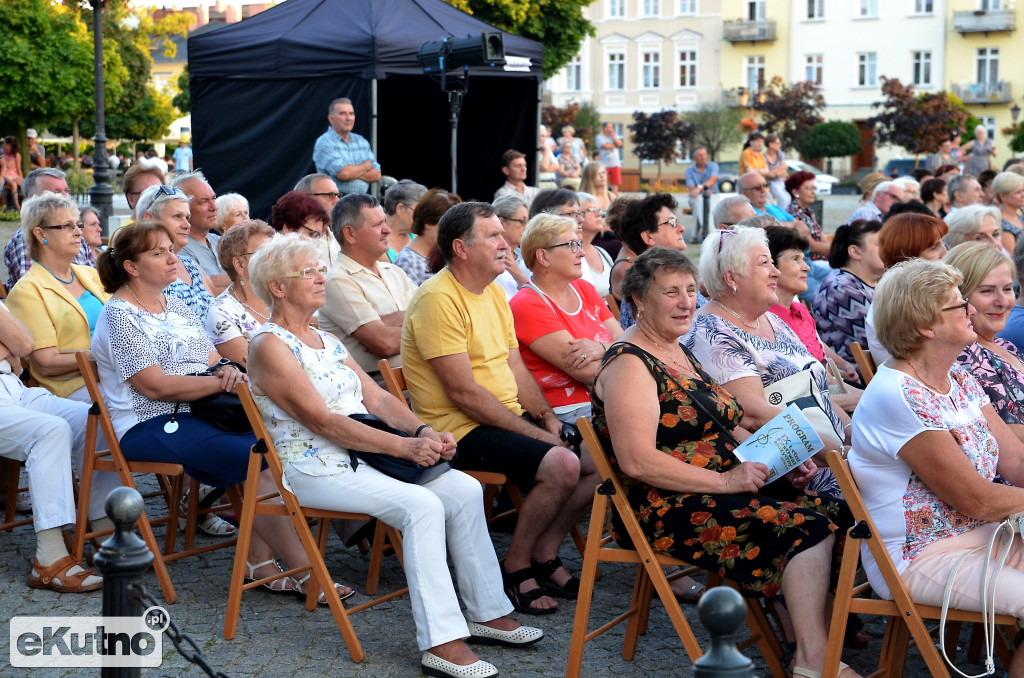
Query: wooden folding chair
x=650 y=578
x=112 y=459
x=613 y=305
x=315 y=547
x=906 y=618
x=11 y=473
x=492 y=481
x=865 y=363
x=3 y=291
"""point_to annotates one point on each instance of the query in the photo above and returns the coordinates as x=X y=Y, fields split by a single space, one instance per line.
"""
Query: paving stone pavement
x=277 y=637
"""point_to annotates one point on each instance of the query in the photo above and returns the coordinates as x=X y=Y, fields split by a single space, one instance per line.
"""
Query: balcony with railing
x=749 y=31
x=984 y=21
x=983 y=92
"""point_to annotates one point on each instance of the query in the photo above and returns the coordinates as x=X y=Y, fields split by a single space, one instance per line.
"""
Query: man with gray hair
x=321 y=187
x=731 y=210
x=885 y=195
x=399 y=203
x=344 y=155
x=16 y=257
x=202 y=238
x=963 y=190
x=366 y=298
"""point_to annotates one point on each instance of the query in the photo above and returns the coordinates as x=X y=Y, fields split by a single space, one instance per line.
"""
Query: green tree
x=45 y=65
x=559 y=25
x=657 y=136
x=715 y=127
x=832 y=139
x=182 y=100
x=790 y=110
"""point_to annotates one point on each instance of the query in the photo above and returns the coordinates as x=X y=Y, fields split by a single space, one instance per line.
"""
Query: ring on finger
x=583 y=356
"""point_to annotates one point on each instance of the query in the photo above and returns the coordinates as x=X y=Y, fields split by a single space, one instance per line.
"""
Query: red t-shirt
x=800 y=321
x=534 y=318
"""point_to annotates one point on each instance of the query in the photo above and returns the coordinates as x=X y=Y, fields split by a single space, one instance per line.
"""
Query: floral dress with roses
x=747 y=538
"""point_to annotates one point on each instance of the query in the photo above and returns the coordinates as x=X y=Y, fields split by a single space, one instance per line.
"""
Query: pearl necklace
x=251 y=309
x=163 y=306
x=684 y=370
x=754 y=327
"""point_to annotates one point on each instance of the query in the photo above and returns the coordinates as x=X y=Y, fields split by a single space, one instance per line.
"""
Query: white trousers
x=43 y=431
x=447 y=510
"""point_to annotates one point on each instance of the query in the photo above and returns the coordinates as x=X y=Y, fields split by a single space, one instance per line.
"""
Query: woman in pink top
x=563 y=326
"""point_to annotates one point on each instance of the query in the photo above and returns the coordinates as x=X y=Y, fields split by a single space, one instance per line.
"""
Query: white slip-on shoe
x=433 y=665
x=520 y=637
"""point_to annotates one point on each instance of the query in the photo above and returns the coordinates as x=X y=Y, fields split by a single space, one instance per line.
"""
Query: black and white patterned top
x=128 y=340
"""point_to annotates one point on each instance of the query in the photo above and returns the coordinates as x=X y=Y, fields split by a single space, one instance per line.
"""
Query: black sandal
x=521 y=599
x=542 y=573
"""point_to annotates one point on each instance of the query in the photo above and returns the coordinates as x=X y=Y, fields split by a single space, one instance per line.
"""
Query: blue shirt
x=694 y=177
x=331 y=153
x=91 y=306
x=1014 y=330
x=780 y=214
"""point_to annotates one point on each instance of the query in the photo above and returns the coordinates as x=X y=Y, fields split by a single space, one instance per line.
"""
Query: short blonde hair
x=34 y=212
x=541 y=232
x=278 y=257
x=1006 y=182
x=975 y=260
x=907 y=299
x=227 y=205
x=727 y=250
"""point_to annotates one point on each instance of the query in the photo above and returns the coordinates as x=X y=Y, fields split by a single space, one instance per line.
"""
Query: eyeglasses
x=577 y=215
x=521 y=222
x=759 y=187
x=596 y=210
x=68 y=226
x=330 y=194
x=315 y=235
x=308 y=272
x=958 y=307
x=894 y=196
x=573 y=245
x=721 y=238
x=671 y=223
x=167 y=190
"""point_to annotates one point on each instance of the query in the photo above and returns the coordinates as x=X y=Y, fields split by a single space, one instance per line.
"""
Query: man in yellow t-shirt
x=465 y=375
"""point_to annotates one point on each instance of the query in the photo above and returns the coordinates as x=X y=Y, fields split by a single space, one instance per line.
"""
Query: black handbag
x=221 y=409
x=399 y=469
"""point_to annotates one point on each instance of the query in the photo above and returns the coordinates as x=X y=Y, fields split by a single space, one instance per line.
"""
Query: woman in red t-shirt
x=562 y=324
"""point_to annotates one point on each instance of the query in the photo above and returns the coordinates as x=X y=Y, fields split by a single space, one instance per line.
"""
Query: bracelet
x=540 y=415
x=422 y=426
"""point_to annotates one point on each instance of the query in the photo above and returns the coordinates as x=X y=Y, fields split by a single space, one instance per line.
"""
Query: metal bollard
x=722 y=612
x=122 y=560
x=706 y=209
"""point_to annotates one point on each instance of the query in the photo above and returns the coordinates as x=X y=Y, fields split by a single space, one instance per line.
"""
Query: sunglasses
x=721 y=239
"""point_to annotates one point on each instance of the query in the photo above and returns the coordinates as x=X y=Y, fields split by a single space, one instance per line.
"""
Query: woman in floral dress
x=669 y=430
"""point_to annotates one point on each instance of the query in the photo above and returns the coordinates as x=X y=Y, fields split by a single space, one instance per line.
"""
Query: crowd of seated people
x=672 y=385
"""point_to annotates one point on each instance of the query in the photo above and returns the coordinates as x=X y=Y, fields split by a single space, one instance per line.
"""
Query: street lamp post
x=101 y=194
x=1015 y=112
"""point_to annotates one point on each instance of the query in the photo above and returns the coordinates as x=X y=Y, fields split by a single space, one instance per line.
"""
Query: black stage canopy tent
x=260 y=91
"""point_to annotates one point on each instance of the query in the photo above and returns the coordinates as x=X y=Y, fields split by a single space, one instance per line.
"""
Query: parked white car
x=822 y=182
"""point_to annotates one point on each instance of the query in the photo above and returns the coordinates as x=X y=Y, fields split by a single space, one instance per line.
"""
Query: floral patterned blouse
x=415 y=265
x=840 y=305
x=195 y=295
x=1002 y=381
x=227 y=319
x=300 y=450
x=807 y=216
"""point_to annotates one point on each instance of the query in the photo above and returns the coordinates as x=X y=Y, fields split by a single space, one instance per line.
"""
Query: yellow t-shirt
x=444 y=318
x=751 y=160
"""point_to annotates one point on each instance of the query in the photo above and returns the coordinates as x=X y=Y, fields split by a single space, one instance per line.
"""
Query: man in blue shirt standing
x=701 y=179
x=344 y=155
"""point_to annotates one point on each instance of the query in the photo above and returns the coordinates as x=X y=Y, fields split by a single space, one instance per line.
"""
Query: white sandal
x=210 y=523
x=322 y=600
x=282 y=585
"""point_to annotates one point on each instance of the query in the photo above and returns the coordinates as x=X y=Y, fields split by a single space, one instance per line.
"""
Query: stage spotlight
x=485 y=49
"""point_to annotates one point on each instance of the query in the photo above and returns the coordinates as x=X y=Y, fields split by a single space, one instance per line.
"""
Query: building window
x=574 y=74
x=650 y=7
x=867 y=70
x=688 y=68
x=990 y=5
x=688 y=7
x=755 y=10
x=651 y=70
x=988 y=66
x=616 y=70
x=923 y=69
x=813 y=70
x=989 y=121
x=753 y=72
x=616 y=9
x=869 y=8
x=815 y=9
x=923 y=7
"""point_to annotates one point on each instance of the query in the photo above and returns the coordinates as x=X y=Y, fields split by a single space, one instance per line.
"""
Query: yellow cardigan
x=55 y=318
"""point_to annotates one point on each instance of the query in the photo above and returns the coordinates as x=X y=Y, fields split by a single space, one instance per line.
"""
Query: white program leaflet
x=782 y=444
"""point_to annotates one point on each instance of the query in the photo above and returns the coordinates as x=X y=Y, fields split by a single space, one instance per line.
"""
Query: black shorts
x=487 y=448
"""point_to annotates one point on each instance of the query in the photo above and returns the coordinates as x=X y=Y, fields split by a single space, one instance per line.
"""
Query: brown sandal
x=69 y=583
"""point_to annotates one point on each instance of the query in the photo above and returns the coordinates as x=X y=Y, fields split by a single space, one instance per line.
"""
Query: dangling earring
x=45 y=241
x=734 y=289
